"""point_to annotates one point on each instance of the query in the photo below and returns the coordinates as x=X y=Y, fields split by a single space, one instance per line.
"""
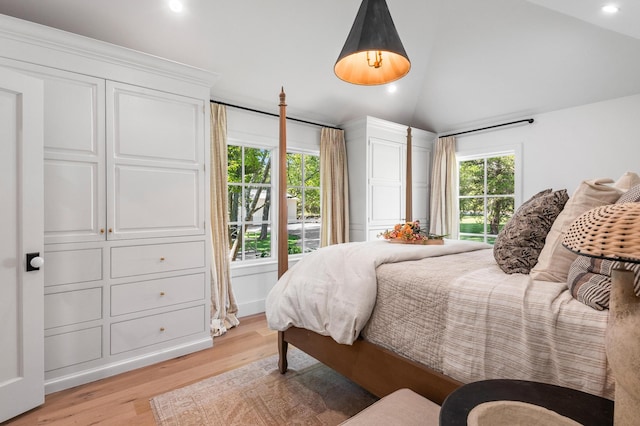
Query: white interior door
x=21 y=232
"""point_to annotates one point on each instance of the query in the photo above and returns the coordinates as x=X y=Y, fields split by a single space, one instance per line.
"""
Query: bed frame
x=373 y=367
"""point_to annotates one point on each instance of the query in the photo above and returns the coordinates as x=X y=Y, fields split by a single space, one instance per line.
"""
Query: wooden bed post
x=283 y=252
x=408 y=212
x=283 y=243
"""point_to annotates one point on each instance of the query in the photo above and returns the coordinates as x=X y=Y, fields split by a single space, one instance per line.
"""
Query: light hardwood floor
x=124 y=399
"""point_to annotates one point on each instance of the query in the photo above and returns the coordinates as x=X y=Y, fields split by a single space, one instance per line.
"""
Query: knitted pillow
x=631 y=196
x=518 y=245
x=589 y=280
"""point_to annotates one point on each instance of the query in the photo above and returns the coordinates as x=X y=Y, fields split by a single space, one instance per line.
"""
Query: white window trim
x=515 y=149
x=298 y=256
x=494 y=151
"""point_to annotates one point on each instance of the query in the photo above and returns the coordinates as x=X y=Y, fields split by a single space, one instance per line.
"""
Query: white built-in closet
x=126 y=251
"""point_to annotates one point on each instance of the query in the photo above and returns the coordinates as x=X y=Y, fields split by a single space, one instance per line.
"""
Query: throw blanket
x=332 y=291
x=518 y=328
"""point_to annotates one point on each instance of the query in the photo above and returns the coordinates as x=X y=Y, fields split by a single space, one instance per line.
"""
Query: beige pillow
x=555 y=260
x=627 y=181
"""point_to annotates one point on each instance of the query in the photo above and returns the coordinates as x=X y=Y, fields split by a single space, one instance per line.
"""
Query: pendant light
x=373 y=53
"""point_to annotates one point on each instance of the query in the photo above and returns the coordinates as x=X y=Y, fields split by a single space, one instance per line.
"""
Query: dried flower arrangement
x=410 y=233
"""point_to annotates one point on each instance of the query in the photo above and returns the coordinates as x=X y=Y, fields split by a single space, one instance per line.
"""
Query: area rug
x=257 y=394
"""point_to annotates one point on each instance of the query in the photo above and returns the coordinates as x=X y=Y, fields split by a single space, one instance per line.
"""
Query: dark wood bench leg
x=283 y=345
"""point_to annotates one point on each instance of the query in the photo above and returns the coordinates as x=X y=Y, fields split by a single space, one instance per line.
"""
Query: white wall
x=562 y=148
x=253 y=280
x=559 y=150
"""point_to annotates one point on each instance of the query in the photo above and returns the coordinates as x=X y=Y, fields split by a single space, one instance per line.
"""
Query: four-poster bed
x=373 y=367
x=442 y=299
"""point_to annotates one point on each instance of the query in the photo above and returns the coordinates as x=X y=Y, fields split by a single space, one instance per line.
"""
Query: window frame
x=485 y=153
x=272 y=185
x=303 y=190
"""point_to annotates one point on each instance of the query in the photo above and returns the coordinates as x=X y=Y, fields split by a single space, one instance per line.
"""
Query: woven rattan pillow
x=518 y=245
x=589 y=280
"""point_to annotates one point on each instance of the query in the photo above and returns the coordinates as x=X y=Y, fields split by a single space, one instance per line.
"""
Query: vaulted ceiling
x=474 y=62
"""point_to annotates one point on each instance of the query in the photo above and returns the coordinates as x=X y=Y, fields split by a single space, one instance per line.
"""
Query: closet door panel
x=73 y=201
x=154 y=126
x=73 y=156
x=155 y=200
x=155 y=165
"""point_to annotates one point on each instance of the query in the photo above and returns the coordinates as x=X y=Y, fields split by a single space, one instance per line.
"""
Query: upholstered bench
x=402 y=407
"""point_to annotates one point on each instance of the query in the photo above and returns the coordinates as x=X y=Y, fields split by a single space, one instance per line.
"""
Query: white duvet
x=332 y=291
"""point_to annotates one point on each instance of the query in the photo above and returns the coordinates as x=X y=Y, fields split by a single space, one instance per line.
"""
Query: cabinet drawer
x=66 y=349
x=71 y=307
x=148 y=259
x=146 y=331
x=139 y=296
x=72 y=266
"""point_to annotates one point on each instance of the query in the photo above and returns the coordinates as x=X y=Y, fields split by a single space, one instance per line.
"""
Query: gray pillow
x=520 y=242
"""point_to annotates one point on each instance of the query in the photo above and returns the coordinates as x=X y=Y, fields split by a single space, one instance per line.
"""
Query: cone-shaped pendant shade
x=373 y=53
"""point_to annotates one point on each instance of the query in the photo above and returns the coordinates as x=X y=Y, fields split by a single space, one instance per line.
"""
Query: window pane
x=311 y=236
x=500 y=175
x=312 y=170
x=234 y=164
x=235 y=245
x=257 y=241
x=499 y=211
x=294 y=234
x=257 y=204
x=311 y=204
x=472 y=216
x=471 y=176
x=234 y=204
x=294 y=204
x=478 y=238
x=257 y=165
x=294 y=169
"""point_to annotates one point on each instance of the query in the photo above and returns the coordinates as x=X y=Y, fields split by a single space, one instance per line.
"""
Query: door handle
x=34 y=262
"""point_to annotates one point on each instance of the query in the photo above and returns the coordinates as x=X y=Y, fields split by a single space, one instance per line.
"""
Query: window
x=303 y=202
x=251 y=196
x=250 y=192
x=487 y=195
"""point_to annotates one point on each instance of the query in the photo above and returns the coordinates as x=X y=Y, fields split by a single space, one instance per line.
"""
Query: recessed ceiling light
x=175 y=5
x=392 y=88
x=610 y=8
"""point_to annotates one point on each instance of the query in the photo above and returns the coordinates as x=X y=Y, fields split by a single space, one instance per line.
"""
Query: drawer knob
x=110 y=230
x=161 y=328
x=162 y=293
x=162 y=259
x=102 y=230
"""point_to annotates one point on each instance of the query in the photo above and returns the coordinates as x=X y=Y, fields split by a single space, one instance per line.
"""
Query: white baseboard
x=251 y=308
x=108 y=370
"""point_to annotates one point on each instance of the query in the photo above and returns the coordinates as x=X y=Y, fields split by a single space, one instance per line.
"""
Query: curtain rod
x=528 y=120
x=274 y=115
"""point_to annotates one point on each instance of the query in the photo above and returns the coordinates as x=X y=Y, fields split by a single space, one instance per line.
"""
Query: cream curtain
x=334 y=184
x=444 y=189
x=223 y=303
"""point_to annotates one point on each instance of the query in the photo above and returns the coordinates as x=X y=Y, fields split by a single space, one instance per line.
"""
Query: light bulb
x=176 y=6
